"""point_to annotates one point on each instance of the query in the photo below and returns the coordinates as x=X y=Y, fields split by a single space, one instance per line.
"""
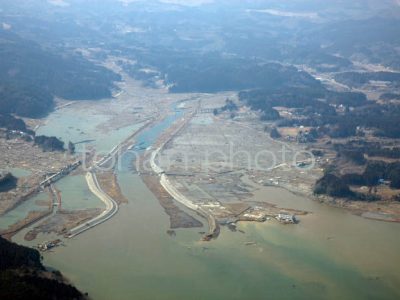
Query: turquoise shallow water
x=132 y=257
x=22 y=211
x=18 y=172
x=331 y=254
x=86 y=128
x=75 y=194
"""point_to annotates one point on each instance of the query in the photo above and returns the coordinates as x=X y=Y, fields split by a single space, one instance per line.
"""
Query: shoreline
x=166 y=137
x=112 y=205
x=32 y=219
x=178 y=217
x=357 y=208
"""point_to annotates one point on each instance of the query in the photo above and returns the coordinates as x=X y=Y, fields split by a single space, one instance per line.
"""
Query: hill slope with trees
x=31 y=76
x=22 y=276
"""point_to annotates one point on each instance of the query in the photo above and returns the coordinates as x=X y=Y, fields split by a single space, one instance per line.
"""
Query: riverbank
x=327 y=250
x=178 y=218
x=23 y=276
x=93 y=126
x=167 y=137
x=211 y=155
x=385 y=211
x=32 y=218
x=328 y=254
x=35 y=164
x=110 y=210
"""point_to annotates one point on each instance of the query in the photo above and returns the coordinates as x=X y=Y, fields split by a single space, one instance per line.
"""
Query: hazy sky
x=180 y=2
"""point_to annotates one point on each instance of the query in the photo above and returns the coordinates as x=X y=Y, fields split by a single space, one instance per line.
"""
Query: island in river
x=331 y=253
x=200 y=184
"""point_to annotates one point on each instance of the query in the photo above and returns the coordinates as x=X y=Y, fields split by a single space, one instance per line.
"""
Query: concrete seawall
x=173 y=191
x=111 y=206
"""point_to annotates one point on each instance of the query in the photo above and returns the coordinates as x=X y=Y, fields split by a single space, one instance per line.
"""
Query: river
x=331 y=254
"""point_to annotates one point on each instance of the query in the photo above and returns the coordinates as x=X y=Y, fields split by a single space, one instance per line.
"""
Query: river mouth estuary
x=330 y=254
x=199 y=149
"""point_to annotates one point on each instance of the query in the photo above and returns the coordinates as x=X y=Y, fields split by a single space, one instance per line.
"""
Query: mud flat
x=61 y=222
x=29 y=213
x=145 y=165
x=176 y=181
x=380 y=210
x=109 y=183
x=216 y=161
x=33 y=217
x=96 y=127
x=111 y=194
x=165 y=138
x=196 y=161
x=178 y=218
x=331 y=254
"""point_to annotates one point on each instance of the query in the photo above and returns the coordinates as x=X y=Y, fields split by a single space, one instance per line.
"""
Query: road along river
x=110 y=210
x=331 y=254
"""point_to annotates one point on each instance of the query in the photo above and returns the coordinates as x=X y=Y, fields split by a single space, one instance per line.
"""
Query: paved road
x=111 y=206
x=213 y=226
x=94 y=186
x=174 y=193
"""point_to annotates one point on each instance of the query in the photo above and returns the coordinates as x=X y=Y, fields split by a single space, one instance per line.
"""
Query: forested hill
x=31 y=76
x=13 y=256
x=22 y=276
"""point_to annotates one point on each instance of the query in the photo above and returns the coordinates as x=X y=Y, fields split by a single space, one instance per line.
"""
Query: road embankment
x=173 y=191
x=110 y=210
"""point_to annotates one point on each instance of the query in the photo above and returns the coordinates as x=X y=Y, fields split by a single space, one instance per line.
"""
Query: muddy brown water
x=330 y=254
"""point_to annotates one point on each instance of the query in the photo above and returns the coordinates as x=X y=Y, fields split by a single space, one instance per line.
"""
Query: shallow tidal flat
x=330 y=254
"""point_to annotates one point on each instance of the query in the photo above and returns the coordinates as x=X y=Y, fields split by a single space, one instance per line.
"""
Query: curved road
x=213 y=229
x=111 y=206
x=94 y=186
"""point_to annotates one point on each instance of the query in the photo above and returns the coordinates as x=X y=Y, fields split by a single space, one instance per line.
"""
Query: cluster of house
x=13 y=134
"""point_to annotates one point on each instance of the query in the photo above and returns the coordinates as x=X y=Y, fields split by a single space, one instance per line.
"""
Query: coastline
x=169 y=135
x=380 y=210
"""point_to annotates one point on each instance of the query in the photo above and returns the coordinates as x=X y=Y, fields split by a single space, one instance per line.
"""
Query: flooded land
x=153 y=246
x=200 y=149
